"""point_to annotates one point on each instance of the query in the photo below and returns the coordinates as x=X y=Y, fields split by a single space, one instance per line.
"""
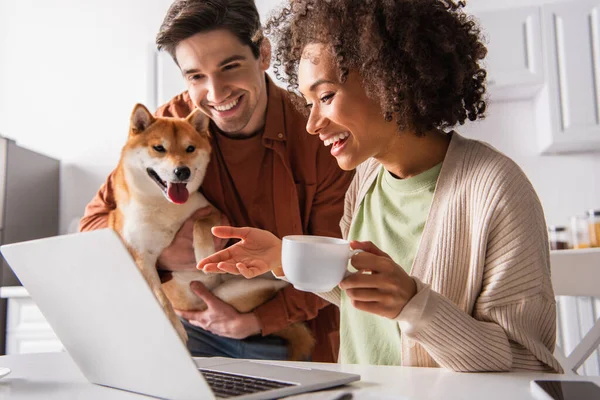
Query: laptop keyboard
x=229 y=385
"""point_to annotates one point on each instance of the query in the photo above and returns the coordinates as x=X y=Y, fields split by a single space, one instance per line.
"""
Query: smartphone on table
x=565 y=390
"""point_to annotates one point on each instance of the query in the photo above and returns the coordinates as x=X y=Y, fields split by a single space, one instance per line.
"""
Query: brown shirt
x=246 y=168
x=300 y=184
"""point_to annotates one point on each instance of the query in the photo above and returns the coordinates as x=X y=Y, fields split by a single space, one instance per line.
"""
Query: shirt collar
x=275 y=118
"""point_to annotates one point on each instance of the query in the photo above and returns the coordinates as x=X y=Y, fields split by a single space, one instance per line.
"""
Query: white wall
x=70 y=74
x=71 y=71
x=566 y=184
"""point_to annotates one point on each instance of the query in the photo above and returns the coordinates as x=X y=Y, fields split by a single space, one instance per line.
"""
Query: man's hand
x=179 y=256
x=380 y=286
x=220 y=318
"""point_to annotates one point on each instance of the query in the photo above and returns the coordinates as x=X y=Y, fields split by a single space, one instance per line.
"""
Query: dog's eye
x=190 y=149
x=159 y=148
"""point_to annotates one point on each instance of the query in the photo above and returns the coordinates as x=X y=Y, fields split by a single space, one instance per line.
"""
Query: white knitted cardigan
x=485 y=300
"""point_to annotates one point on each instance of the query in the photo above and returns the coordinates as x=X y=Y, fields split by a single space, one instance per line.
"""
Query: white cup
x=315 y=263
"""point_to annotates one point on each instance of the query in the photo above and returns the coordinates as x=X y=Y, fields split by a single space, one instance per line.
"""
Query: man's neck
x=236 y=136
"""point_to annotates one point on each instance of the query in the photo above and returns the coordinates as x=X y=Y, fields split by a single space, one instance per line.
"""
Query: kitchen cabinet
x=514 y=62
x=549 y=52
x=27 y=331
x=569 y=107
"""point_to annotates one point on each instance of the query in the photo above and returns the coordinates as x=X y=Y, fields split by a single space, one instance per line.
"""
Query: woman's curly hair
x=419 y=58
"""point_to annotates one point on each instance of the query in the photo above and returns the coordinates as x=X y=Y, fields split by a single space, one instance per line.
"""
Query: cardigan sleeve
x=504 y=338
x=513 y=323
x=334 y=296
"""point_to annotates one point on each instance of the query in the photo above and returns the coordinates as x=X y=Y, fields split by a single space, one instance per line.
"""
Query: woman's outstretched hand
x=257 y=252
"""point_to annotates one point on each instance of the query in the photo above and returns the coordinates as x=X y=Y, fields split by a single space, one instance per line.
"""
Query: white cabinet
x=27 y=331
x=569 y=109
x=514 y=62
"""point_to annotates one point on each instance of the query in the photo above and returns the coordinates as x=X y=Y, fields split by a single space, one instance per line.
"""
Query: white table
x=55 y=376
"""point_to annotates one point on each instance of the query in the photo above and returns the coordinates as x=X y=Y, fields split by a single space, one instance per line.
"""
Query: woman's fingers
x=363 y=294
x=359 y=280
x=369 y=247
x=221 y=268
x=367 y=261
x=228 y=232
x=224 y=255
x=211 y=269
x=232 y=268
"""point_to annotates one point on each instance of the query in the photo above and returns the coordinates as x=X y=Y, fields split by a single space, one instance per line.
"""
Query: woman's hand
x=257 y=252
x=380 y=286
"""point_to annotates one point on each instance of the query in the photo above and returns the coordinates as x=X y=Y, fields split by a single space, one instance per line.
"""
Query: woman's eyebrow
x=318 y=83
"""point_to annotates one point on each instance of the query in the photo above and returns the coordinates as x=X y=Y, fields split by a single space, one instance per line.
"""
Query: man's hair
x=185 y=18
x=420 y=59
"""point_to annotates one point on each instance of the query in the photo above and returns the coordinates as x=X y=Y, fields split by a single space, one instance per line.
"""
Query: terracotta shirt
x=247 y=172
x=306 y=190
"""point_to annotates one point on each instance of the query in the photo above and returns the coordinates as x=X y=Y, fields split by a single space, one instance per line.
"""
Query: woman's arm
x=513 y=323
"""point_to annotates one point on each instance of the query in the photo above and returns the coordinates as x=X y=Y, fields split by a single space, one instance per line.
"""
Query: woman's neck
x=409 y=155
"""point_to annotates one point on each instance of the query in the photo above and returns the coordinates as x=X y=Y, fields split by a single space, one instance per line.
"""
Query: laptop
x=99 y=305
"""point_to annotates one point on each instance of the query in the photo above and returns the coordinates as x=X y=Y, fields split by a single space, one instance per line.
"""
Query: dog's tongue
x=177 y=192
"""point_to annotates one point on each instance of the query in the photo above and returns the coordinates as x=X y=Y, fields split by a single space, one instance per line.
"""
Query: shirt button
x=280 y=135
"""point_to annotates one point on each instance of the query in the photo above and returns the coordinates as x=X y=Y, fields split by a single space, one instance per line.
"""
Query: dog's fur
x=156 y=189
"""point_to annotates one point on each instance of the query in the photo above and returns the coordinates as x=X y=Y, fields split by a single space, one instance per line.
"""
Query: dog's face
x=166 y=156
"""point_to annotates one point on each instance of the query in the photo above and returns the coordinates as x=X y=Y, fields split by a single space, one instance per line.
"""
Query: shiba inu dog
x=156 y=186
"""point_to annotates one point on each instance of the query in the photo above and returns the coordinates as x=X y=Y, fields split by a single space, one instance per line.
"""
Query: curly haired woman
x=454 y=238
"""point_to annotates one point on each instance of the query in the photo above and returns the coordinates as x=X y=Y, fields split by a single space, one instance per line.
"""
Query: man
x=265 y=172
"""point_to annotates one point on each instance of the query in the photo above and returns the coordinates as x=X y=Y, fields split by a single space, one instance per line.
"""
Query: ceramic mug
x=315 y=263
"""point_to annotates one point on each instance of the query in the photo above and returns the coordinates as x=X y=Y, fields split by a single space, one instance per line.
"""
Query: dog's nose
x=182 y=173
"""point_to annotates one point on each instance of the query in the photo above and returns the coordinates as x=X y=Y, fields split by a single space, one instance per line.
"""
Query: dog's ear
x=141 y=119
x=199 y=121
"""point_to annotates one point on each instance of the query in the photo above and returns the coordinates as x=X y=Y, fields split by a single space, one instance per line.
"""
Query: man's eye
x=159 y=148
x=196 y=77
x=230 y=67
x=190 y=149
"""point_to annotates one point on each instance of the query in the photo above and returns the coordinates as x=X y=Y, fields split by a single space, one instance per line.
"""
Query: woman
x=455 y=270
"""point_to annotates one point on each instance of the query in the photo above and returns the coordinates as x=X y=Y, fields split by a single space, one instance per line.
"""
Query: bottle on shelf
x=559 y=238
x=594 y=227
x=580 y=235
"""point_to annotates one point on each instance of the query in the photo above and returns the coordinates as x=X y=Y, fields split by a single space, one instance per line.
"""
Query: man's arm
x=291 y=305
x=96 y=212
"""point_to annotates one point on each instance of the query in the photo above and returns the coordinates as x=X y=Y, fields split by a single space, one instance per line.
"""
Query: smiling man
x=265 y=172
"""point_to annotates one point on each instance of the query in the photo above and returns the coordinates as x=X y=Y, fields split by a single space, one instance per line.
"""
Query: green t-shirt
x=392 y=215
